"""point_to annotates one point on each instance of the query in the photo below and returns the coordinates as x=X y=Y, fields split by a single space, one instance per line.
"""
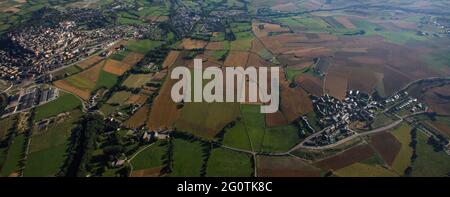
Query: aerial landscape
x=85 y=88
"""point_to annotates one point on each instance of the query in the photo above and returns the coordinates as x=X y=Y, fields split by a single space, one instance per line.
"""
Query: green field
x=48 y=147
x=64 y=103
x=403 y=158
x=364 y=170
x=187 y=158
x=206 y=119
x=280 y=139
x=438 y=60
x=243 y=41
x=227 y=163
x=106 y=80
x=151 y=157
x=108 y=109
x=381 y=120
x=143 y=46
x=71 y=70
x=119 y=97
x=80 y=82
x=13 y=157
x=6 y=124
x=250 y=133
x=119 y=56
x=137 y=80
x=255 y=125
x=244 y=37
x=398 y=37
x=127 y=18
x=429 y=162
x=291 y=73
x=237 y=137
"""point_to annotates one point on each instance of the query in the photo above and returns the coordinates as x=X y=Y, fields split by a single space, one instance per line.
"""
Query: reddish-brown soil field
x=285 y=167
x=137 y=99
x=386 y=145
x=236 y=59
x=164 y=111
x=151 y=172
x=336 y=85
x=445 y=128
x=159 y=76
x=256 y=61
x=90 y=75
x=215 y=46
x=138 y=118
x=115 y=67
x=83 y=94
x=90 y=62
x=438 y=99
x=170 y=59
x=192 y=44
x=362 y=79
x=346 y=158
x=310 y=84
x=268 y=28
x=345 y=22
x=294 y=102
x=133 y=58
x=93 y=73
x=276 y=119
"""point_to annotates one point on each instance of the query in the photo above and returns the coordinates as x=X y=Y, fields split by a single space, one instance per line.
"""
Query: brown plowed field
x=276 y=119
x=346 y=158
x=237 y=59
x=170 y=59
x=138 y=118
x=285 y=167
x=386 y=145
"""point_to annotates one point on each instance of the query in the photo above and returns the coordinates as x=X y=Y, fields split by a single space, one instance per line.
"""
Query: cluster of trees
x=439 y=142
x=82 y=145
x=413 y=145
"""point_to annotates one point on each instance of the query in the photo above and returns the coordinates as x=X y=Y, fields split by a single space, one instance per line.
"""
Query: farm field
x=64 y=103
x=187 y=158
x=11 y=165
x=152 y=157
x=206 y=119
x=255 y=125
x=119 y=97
x=50 y=145
x=142 y=46
x=427 y=157
x=237 y=136
x=137 y=80
x=285 y=166
x=139 y=118
x=5 y=125
x=227 y=163
x=82 y=84
x=346 y=158
x=364 y=170
x=280 y=139
x=402 y=160
x=386 y=145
